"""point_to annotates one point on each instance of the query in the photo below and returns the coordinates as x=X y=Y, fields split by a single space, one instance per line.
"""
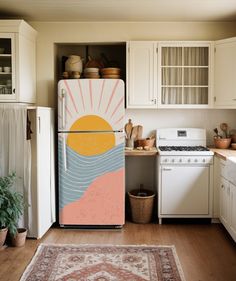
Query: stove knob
x=195 y=160
x=203 y=160
x=180 y=160
x=166 y=160
x=173 y=160
x=189 y=160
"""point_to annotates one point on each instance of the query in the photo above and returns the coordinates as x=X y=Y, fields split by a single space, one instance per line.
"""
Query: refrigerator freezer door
x=91 y=187
x=90 y=105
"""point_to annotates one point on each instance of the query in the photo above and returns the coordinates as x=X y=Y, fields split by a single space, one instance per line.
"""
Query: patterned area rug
x=104 y=263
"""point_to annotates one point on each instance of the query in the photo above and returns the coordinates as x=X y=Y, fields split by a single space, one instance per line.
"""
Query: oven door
x=184 y=191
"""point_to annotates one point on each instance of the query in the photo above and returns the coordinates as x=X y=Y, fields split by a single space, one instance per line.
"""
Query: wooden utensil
x=139 y=132
x=128 y=129
x=134 y=132
x=224 y=127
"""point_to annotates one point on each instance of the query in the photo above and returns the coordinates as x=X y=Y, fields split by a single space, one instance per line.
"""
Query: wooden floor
x=206 y=252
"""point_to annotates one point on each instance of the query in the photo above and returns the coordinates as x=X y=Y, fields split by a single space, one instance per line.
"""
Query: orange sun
x=91 y=143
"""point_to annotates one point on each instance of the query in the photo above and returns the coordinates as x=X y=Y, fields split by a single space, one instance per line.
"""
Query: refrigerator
x=91 y=153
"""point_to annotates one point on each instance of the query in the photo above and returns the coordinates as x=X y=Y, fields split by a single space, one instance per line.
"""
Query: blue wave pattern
x=83 y=170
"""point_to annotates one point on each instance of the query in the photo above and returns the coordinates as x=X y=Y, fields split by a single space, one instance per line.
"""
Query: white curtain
x=15 y=150
x=185 y=66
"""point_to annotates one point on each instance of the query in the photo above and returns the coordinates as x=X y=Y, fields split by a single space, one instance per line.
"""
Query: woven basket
x=141 y=203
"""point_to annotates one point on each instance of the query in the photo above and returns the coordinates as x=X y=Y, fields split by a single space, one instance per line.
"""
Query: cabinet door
x=233 y=211
x=185 y=191
x=185 y=74
x=142 y=75
x=7 y=67
x=224 y=201
x=44 y=171
x=225 y=69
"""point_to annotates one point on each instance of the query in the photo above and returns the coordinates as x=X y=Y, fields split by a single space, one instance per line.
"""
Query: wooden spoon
x=134 y=132
x=128 y=129
x=139 y=132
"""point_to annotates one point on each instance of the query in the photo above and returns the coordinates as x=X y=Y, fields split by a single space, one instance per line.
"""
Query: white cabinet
x=225 y=69
x=184 y=72
x=141 y=74
x=17 y=62
x=224 y=201
x=227 y=202
x=232 y=205
x=42 y=210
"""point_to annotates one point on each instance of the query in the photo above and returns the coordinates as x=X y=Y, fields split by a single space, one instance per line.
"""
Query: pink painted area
x=112 y=95
x=101 y=95
x=120 y=103
x=91 y=93
x=70 y=94
x=81 y=93
x=102 y=203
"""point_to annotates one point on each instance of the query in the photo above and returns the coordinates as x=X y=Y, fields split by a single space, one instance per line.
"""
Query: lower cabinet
x=228 y=206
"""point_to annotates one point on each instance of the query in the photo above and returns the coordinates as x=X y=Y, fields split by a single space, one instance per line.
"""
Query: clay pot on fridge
x=74 y=64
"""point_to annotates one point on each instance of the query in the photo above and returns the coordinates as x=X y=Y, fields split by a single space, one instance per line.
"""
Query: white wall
x=198 y=118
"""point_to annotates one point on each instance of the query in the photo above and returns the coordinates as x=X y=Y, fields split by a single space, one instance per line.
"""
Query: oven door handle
x=166 y=169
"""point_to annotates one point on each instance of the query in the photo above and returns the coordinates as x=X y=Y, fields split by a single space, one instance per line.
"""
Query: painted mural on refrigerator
x=91 y=152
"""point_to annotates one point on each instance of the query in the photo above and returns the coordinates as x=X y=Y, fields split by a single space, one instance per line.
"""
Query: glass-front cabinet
x=7 y=66
x=17 y=62
x=184 y=74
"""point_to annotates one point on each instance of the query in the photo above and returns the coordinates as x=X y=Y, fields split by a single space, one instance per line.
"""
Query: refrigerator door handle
x=64 y=153
x=63 y=95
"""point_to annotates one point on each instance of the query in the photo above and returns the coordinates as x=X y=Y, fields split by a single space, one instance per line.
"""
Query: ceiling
x=119 y=10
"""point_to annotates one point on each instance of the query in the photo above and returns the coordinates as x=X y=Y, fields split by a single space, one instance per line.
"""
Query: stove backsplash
x=209 y=119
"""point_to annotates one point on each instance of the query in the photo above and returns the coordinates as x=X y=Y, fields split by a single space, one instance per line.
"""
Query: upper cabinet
x=225 y=69
x=141 y=74
x=17 y=62
x=184 y=71
x=169 y=74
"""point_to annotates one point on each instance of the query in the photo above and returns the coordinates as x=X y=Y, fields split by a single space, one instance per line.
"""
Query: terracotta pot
x=19 y=239
x=233 y=138
x=222 y=143
x=146 y=142
x=3 y=235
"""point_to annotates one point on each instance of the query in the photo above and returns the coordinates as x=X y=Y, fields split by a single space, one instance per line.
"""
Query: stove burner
x=183 y=148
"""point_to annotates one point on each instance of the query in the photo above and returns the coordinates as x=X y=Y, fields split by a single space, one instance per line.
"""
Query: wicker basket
x=141 y=203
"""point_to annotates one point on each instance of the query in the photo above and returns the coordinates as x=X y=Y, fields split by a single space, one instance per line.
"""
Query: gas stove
x=185 y=173
x=182 y=141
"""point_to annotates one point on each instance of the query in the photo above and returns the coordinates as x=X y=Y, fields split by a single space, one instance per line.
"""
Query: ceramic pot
x=3 y=235
x=222 y=143
x=74 y=63
x=19 y=239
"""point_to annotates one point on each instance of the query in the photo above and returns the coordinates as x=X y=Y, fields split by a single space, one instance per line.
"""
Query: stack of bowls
x=110 y=73
x=91 y=72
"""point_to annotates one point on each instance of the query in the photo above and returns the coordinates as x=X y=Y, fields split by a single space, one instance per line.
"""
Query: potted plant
x=11 y=208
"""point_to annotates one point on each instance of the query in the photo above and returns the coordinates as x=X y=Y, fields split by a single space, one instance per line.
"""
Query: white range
x=185 y=174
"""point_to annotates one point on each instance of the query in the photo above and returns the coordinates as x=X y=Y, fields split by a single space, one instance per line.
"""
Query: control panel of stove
x=178 y=160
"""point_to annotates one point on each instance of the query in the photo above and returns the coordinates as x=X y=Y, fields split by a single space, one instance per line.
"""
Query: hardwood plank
x=206 y=252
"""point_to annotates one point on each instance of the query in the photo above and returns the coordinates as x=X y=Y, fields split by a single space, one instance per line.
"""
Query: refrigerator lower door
x=91 y=179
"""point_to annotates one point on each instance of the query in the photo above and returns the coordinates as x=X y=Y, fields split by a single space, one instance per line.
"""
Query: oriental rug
x=55 y=262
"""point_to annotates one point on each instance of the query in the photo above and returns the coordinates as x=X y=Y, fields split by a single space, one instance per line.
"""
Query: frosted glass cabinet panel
x=184 y=71
x=7 y=67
